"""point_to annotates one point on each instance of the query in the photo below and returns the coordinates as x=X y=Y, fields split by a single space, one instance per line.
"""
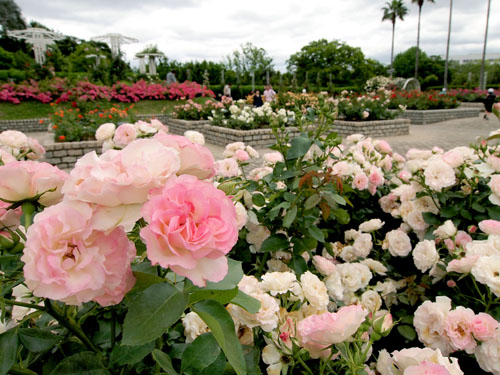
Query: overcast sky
x=188 y=30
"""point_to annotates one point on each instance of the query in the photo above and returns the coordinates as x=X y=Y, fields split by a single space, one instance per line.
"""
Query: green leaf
x=274 y=243
x=217 y=366
x=430 y=218
x=407 y=332
x=333 y=199
x=465 y=214
x=449 y=211
x=298 y=264
x=36 y=340
x=231 y=280
x=145 y=280
x=258 y=199
x=200 y=354
x=128 y=355
x=223 y=296
x=290 y=216
x=8 y=350
x=316 y=233
x=252 y=359
x=164 y=361
x=341 y=215
x=152 y=313
x=222 y=327
x=312 y=201
x=290 y=197
x=300 y=146
x=247 y=302
x=477 y=207
x=494 y=212
x=84 y=363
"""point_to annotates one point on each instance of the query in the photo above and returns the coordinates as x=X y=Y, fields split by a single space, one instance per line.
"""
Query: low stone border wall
x=438 y=115
x=474 y=105
x=65 y=154
x=382 y=128
x=264 y=137
x=26 y=126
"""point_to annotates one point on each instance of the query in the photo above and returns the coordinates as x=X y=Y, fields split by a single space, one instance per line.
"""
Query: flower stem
x=23 y=304
x=28 y=211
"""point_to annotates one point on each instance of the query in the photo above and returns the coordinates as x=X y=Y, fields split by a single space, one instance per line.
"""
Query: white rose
x=13 y=139
x=334 y=286
x=195 y=137
x=105 y=131
x=351 y=234
x=354 y=276
x=314 y=290
x=425 y=255
x=371 y=300
x=363 y=245
x=486 y=271
x=194 y=326
x=241 y=215
x=385 y=364
x=375 y=266
x=446 y=230
x=278 y=282
x=371 y=225
x=488 y=354
x=439 y=175
x=270 y=355
x=266 y=318
x=398 y=243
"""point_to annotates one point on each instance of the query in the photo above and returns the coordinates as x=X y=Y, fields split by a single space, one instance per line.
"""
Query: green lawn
x=27 y=110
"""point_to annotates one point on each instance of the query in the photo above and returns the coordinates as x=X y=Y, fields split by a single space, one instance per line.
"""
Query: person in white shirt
x=227 y=90
x=269 y=94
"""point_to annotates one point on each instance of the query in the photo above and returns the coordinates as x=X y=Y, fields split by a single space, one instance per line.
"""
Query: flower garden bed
x=438 y=115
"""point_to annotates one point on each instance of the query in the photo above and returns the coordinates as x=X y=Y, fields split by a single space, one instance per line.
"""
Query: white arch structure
x=115 y=41
x=38 y=38
x=151 y=61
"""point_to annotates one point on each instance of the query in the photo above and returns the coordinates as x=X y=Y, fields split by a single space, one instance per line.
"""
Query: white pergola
x=115 y=41
x=151 y=61
x=38 y=38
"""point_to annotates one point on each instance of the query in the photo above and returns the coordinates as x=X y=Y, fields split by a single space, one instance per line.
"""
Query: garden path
x=446 y=134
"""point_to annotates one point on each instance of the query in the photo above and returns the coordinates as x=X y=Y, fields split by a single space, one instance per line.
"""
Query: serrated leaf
x=290 y=216
x=8 y=349
x=407 y=332
x=431 y=218
x=222 y=327
x=258 y=199
x=299 y=147
x=274 y=243
x=164 y=361
x=152 y=313
x=200 y=354
x=250 y=304
x=36 y=340
x=312 y=201
x=84 y=363
x=223 y=296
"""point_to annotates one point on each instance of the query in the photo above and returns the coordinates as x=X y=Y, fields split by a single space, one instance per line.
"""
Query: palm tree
x=420 y=3
x=392 y=11
x=482 y=83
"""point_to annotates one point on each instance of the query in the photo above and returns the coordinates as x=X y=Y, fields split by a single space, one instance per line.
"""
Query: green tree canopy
x=346 y=64
x=247 y=59
x=10 y=16
x=404 y=66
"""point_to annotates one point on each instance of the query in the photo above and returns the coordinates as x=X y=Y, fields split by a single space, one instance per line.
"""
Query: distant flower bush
x=422 y=100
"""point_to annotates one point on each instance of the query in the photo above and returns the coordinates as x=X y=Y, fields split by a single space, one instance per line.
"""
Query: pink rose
x=427 y=368
x=484 y=326
x=463 y=265
x=383 y=146
x=494 y=184
x=9 y=218
x=241 y=155
x=192 y=225
x=323 y=265
x=196 y=160
x=125 y=134
x=25 y=179
x=6 y=157
x=462 y=238
x=122 y=177
x=317 y=332
x=69 y=261
x=376 y=177
x=458 y=328
x=360 y=181
x=453 y=158
x=13 y=139
x=494 y=162
x=404 y=175
x=272 y=157
x=37 y=150
x=227 y=168
x=490 y=226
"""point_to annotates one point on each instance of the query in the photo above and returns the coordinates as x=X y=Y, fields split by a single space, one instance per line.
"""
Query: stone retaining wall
x=475 y=105
x=438 y=115
x=382 y=128
x=177 y=126
x=26 y=126
x=65 y=154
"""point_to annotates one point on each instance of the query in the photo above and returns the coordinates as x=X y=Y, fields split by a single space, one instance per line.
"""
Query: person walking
x=488 y=103
x=171 y=77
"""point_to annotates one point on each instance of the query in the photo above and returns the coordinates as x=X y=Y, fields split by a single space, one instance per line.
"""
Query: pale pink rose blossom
x=484 y=326
x=318 y=332
x=494 y=162
x=13 y=139
x=450 y=245
x=191 y=226
x=360 y=181
x=323 y=265
x=404 y=175
x=68 y=260
x=272 y=157
x=9 y=218
x=439 y=175
x=241 y=155
x=6 y=157
x=376 y=176
x=429 y=321
x=257 y=174
x=25 y=179
x=157 y=124
x=227 y=168
x=463 y=265
x=490 y=226
x=453 y=158
x=494 y=184
x=196 y=160
x=426 y=368
x=383 y=146
x=462 y=238
x=398 y=243
x=37 y=150
x=122 y=177
x=124 y=134
x=105 y=131
x=458 y=328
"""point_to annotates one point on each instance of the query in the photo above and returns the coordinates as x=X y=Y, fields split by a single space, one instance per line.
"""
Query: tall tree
x=420 y=3
x=249 y=59
x=392 y=11
x=10 y=16
x=482 y=83
x=445 y=85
